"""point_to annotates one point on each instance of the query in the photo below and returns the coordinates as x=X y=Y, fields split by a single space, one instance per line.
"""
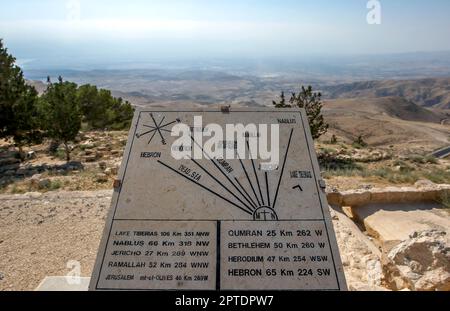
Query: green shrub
x=431 y=160
x=423 y=159
x=438 y=176
x=60 y=154
x=15 y=189
x=333 y=140
x=55 y=185
x=417 y=159
x=398 y=163
x=328 y=151
x=359 y=143
x=402 y=177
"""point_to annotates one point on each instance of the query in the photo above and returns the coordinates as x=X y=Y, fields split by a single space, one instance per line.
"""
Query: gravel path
x=41 y=233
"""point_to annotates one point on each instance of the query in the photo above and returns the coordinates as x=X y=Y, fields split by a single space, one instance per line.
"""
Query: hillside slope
x=395 y=107
x=424 y=92
x=386 y=121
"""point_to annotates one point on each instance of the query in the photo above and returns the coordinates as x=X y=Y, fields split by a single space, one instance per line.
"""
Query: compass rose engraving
x=257 y=204
x=157 y=128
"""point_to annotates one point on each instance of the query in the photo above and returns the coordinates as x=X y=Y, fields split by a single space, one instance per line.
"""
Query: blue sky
x=137 y=29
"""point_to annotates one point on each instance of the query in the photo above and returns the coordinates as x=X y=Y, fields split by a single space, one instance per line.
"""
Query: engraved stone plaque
x=206 y=222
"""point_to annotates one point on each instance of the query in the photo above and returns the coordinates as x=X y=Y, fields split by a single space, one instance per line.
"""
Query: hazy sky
x=60 y=30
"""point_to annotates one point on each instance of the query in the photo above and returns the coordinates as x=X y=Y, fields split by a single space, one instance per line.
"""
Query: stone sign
x=205 y=222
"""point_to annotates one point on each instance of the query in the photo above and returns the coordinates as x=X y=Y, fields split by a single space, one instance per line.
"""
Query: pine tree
x=89 y=104
x=101 y=110
x=334 y=139
x=61 y=113
x=312 y=102
x=18 y=103
x=282 y=103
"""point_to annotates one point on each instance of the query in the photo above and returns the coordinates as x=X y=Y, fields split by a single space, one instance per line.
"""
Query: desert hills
x=433 y=92
x=387 y=121
x=403 y=113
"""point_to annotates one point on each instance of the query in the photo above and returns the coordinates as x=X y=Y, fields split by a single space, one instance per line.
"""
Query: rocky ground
x=41 y=233
x=96 y=158
x=349 y=166
x=418 y=262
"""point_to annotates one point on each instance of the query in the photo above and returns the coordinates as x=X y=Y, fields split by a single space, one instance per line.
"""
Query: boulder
x=35 y=179
x=31 y=155
x=356 y=198
x=87 y=146
x=22 y=172
x=9 y=161
x=102 y=178
x=114 y=170
x=10 y=154
x=401 y=168
x=424 y=260
x=102 y=149
x=334 y=198
x=102 y=165
x=32 y=172
x=390 y=224
x=90 y=158
x=9 y=173
x=425 y=183
x=73 y=165
x=44 y=183
x=362 y=287
x=10 y=167
x=360 y=257
x=4 y=180
x=424 y=191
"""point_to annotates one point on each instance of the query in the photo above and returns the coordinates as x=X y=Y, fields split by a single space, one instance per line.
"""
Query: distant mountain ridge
x=386 y=121
x=212 y=87
x=432 y=93
x=389 y=106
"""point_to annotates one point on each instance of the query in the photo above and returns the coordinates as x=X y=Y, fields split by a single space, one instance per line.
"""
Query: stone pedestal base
x=63 y=283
